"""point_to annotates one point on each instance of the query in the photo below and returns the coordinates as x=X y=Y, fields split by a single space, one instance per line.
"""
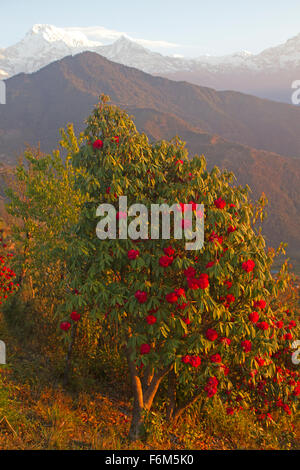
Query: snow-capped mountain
x=42 y=45
x=127 y=52
x=241 y=71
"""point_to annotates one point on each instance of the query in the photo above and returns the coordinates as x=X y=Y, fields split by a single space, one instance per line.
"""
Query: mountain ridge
x=268 y=74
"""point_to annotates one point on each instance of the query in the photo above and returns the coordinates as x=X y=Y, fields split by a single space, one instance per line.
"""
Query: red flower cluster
x=151 y=319
x=169 y=251
x=214 y=237
x=201 y=282
x=165 y=261
x=145 y=348
x=141 y=296
x=98 y=144
x=211 y=334
x=248 y=266
x=75 y=316
x=246 y=345
x=172 y=298
x=190 y=272
x=215 y=358
x=261 y=304
x=65 y=325
x=253 y=317
x=211 y=386
x=220 y=203
x=194 y=361
x=133 y=254
x=263 y=325
x=7 y=275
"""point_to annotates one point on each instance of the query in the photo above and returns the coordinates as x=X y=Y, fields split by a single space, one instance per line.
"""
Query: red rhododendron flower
x=253 y=317
x=246 y=345
x=211 y=386
x=215 y=358
x=230 y=298
x=195 y=361
x=182 y=306
x=133 y=254
x=65 y=325
x=75 y=316
x=286 y=408
x=165 y=261
x=210 y=264
x=291 y=325
x=231 y=229
x=145 y=348
x=201 y=282
x=263 y=325
x=225 y=369
x=190 y=272
x=98 y=144
x=180 y=292
x=228 y=284
x=153 y=310
x=225 y=340
x=151 y=319
x=248 y=266
x=288 y=336
x=141 y=296
x=116 y=139
x=260 y=361
x=186 y=359
x=169 y=251
x=261 y=304
x=172 y=298
x=220 y=203
x=214 y=237
x=211 y=334
x=279 y=324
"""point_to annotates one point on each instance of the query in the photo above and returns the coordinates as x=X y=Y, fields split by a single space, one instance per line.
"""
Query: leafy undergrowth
x=88 y=415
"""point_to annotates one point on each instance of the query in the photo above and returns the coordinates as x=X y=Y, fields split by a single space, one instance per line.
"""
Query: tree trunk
x=137 y=430
x=171 y=395
x=143 y=396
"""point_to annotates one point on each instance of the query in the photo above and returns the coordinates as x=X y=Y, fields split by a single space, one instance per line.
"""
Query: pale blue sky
x=214 y=27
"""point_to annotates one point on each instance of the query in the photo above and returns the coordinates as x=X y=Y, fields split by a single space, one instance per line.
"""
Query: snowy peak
x=42 y=45
x=46 y=43
x=286 y=54
x=52 y=34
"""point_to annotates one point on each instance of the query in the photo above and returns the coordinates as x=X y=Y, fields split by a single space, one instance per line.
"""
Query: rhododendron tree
x=207 y=318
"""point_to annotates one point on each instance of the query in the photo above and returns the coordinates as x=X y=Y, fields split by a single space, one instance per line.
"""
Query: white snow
x=44 y=44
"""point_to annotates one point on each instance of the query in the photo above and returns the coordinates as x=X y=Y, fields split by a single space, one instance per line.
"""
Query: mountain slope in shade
x=66 y=91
